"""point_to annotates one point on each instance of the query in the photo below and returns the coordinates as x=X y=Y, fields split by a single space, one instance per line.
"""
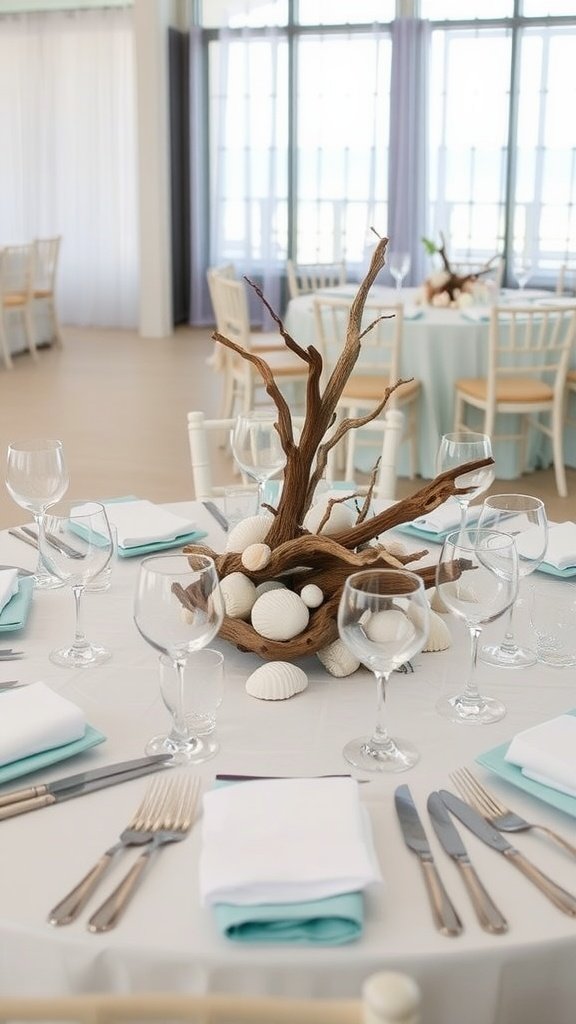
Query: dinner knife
x=562 y=899
x=55 y=542
x=22 y=536
x=76 y=785
x=490 y=917
x=216 y=514
x=445 y=917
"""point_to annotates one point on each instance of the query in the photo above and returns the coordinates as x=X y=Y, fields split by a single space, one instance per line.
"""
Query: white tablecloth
x=166 y=941
x=438 y=348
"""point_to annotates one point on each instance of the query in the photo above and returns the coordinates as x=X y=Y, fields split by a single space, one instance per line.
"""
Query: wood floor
x=119 y=404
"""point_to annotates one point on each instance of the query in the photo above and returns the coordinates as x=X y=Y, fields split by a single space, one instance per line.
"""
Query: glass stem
x=80 y=641
x=380 y=735
x=471 y=694
x=509 y=644
x=463 y=516
x=179 y=716
x=41 y=569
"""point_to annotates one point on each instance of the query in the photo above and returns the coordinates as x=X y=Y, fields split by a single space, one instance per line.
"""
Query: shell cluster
x=276 y=680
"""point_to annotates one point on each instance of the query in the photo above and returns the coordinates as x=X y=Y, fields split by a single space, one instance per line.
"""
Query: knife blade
x=490 y=917
x=216 y=514
x=54 y=542
x=79 y=779
x=561 y=898
x=22 y=536
x=445 y=917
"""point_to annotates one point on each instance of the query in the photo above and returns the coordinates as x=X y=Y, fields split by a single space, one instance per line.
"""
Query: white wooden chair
x=305 y=278
x=529 y=350
x=44 y=269
x=386 y=431
x=16 y=296
x=566 y=280
x=388 y=997
x=241 y=378
x=379 y=365
x=570 y=420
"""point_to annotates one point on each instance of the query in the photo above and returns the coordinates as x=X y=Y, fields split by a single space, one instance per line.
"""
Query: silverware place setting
x=9 y=654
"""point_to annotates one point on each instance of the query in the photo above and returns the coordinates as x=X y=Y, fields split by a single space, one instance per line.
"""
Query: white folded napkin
x=35 y=718
x=283 y=841
x=561 y=549
x=445 y=517
x=8 y=586
x=142 y=522
x=477 y=315
x=545 y=753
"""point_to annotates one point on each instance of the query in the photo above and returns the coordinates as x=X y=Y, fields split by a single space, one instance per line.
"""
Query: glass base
x=46 y=581
x=395 y=756
x=82 y=657
x=193 y=751
x=501 y=657
x=467 y=711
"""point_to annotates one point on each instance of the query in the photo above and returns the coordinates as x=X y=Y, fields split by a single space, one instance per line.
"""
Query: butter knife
x=445 y=917
x=216 y=514
x=561 y=899
x=488 y=914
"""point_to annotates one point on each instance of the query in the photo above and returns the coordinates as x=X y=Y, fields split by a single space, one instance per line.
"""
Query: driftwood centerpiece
x=292 y=553
x=446 y=287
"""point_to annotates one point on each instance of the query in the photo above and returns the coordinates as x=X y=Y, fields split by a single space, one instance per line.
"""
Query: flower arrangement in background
x=446 y=287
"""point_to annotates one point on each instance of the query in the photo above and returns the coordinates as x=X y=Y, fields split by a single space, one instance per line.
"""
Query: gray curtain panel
x=200 y=312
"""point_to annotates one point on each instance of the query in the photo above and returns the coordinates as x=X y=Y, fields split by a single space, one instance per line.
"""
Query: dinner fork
x=140 y=830
x=497 y=813
x=171 y=825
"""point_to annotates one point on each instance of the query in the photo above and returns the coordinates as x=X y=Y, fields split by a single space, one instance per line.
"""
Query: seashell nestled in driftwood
x=252 y=530
x=276 y=680
x=387 y=626
x=239 y=595
x=279 y=615
x=439 y=638
x=255 y=557
x=436 y=602
x=312 y=595
x=337 y=659
x=341 y=518
x=267 y=585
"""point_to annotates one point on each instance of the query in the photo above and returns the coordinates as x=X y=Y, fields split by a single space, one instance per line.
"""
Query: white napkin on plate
x=561 y=550
x=35 y=718
x=143 y=522
x=545 y=753
x=445 y=517
x=284 y=840
x=8 y=586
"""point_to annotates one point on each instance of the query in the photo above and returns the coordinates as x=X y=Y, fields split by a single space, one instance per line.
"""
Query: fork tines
x=475 y=793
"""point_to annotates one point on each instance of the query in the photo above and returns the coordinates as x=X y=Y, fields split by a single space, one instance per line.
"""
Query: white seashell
x=252 y=530
x=341 y=518
x=263 y=588
x=459 y=591
x=439 y=638
x=239 y=595
x=389 y=626
x=276 y=680
x=395 y=548
x=436 y=602
x=337 y=659
x=279 y=615
x=256 y=556
x=312 y=595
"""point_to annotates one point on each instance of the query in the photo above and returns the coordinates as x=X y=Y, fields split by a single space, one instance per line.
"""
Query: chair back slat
x=304 y=278
x=16 y=271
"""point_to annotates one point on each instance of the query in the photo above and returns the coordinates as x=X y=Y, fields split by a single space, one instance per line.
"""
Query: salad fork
x=497 y=813
x=171 y=825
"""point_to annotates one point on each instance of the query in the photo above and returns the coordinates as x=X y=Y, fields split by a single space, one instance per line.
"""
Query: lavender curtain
x=200 y=305
x=408 y=161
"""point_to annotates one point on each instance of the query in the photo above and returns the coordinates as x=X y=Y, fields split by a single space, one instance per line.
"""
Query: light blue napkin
x=328 y=922
x=34 y=762
x=15 y=613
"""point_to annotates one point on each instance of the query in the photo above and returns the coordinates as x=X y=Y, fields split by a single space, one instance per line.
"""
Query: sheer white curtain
x=68 y=154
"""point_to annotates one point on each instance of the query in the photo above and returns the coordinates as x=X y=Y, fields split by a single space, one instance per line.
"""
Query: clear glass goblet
x=466 y=446
x=257 y=448
x=178 y=609
x=36 y=476
x=383 y=619
x=76 y=545
x=477 y=579
x=522 y=271
x=399 y=265
x=524 y=518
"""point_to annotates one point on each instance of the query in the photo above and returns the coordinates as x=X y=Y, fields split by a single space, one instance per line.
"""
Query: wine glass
x=477 y=579
x=522 y=271
x=36 y=476
x=76 y=544
x=523 y=518
x=257 y=448
x=383 y=619
x=399 y=264
x=460 y=447
x=178 y=609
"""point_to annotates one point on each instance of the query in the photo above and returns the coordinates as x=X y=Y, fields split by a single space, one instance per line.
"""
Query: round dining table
x=167 y=941
x=439 y=346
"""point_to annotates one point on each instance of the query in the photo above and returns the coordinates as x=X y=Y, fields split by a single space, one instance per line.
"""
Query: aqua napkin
x=332 y=921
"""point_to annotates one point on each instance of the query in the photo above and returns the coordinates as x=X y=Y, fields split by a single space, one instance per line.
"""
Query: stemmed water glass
x=524 y=518
x=522 y=271
x=178 y=609
x=36 y=475
x=466 y=446
x=257 y=448
x=399 y=264
x=383 y=619
x=76 y=544
x=477 y=579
